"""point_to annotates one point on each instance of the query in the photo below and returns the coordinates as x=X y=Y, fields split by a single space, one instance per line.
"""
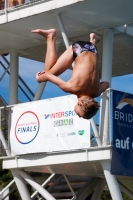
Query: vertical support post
x=21 y=185
x=111 y=181
x=107 y=55
x=98 y=190
x=58 y=44
x=106 y=76
x=14 y=100
x=104 y=115
x=40 y=90
x=63 y=32
x=95 y=132
x=104 y=118
x=13 y=77
x=5 y=9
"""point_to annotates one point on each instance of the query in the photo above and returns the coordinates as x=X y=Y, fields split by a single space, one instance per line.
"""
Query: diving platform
x=80 y=17
x=85 y=169
x=81 y=162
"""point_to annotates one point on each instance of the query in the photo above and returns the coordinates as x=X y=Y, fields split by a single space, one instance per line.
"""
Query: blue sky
x=28 y=70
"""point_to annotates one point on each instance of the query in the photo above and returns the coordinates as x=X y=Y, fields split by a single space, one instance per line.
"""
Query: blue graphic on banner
x=122 y=154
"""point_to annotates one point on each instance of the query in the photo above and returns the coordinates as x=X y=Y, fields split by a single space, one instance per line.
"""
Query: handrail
x=22 y=81
x=7 y=187
x=49 y=179
x=19 y=77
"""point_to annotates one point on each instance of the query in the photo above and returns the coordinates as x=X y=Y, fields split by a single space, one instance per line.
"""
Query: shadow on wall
x=11 y=3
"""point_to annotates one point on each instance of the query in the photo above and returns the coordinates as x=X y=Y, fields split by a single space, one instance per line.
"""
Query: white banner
x=48 y=125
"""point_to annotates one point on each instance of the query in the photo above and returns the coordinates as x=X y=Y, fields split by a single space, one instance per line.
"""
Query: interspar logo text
x=69 y=113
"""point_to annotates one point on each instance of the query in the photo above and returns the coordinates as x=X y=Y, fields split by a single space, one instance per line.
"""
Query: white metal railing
x=5 y=5
x=102 y=135
x=7 y=187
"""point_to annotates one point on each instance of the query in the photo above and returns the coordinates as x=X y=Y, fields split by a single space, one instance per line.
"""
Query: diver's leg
x=51 y=56
x=62 y=64
x=94 y=38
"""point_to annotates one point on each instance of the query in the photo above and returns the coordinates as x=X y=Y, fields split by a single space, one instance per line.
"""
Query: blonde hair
x=89 y=107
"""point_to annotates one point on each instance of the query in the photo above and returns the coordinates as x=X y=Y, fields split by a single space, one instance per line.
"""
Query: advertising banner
x=48 y=125
x=122 y=154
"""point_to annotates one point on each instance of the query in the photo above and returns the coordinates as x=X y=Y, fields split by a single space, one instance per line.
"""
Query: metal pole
x=8 y=194
x=35 y=185
x=111 y=181
x=13 y=78
x=74 y=195
x=49 y=179
x=21 y=185
x=6 y=7
x=95 y=132
x=106 y=76
x=104 y=118
x=63 y=32
x=4 y=142
x=7 y=187
x=98 y=190
x=40 y=90
x=107 y=55
x=13 y=100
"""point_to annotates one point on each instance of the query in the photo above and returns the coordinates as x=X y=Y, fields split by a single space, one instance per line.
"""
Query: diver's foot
x=45 y=33
x=94 y=38
x=40 y=77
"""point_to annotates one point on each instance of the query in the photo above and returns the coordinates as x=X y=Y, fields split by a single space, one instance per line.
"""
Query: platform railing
x=105 y=108
x=5 y=5
x=102 y=134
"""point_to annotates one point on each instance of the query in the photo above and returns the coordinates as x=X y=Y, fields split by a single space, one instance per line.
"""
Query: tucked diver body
x=84 y=81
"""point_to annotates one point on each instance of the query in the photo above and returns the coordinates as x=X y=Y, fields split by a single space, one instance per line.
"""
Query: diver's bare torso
x=85 y=77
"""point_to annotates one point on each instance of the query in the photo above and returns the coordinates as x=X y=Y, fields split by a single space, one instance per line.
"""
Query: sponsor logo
x=63 y=122
x=46 y=116
x=124 y=102
x=71 y=134
x=123 y=116
x=27 y=127
x=69 y=113
x=81 y=132
x=60 y=135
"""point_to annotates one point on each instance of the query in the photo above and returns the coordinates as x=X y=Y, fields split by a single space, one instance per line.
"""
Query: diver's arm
x=103 y=86
x=65 y=86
